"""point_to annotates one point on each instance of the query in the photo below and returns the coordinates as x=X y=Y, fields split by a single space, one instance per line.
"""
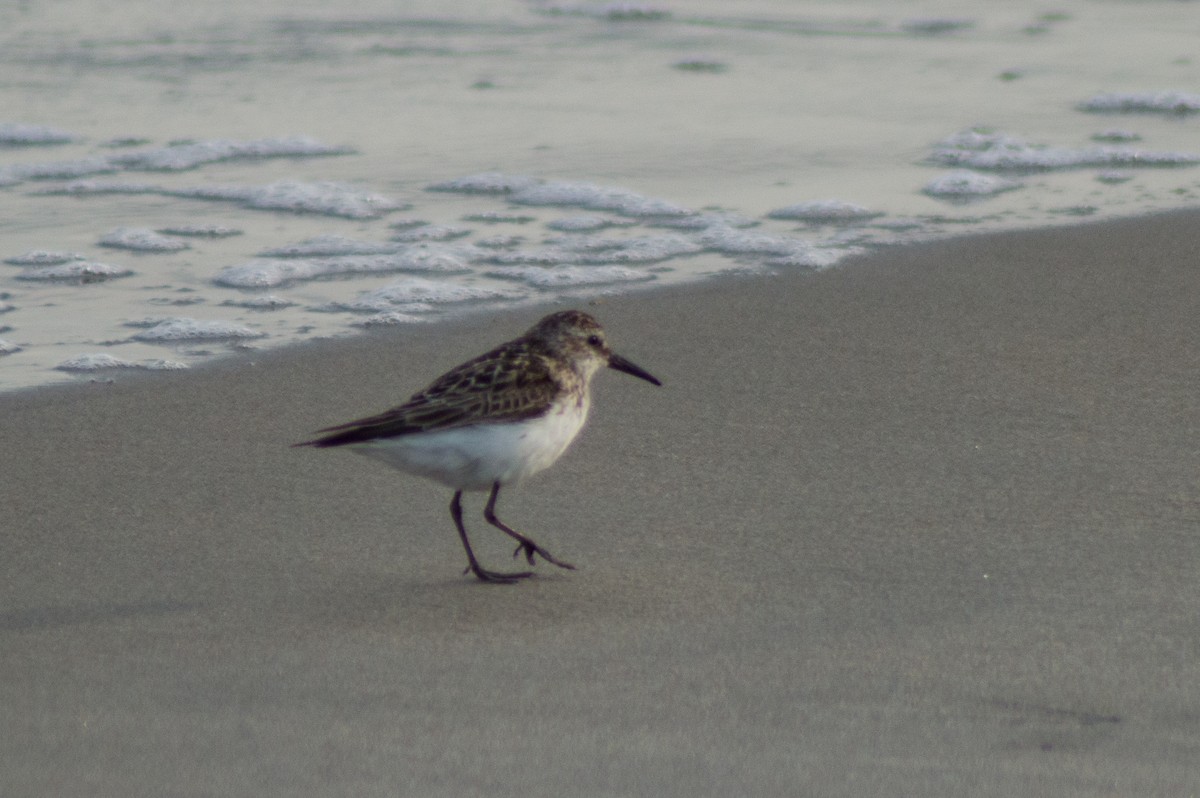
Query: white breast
x=472 y=458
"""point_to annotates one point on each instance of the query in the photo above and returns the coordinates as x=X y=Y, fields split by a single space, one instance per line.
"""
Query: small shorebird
x=494 y=420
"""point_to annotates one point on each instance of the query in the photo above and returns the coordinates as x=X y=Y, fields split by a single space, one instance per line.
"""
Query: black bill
x=621 y=364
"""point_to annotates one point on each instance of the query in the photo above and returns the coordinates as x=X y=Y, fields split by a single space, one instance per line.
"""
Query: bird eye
x=594 y=340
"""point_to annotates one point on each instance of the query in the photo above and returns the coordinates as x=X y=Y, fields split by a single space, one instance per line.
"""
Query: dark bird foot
x=524 y=544
x=497 y=577
x=530 y=548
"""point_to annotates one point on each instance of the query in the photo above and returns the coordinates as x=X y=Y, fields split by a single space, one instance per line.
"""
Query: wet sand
x=925 y=524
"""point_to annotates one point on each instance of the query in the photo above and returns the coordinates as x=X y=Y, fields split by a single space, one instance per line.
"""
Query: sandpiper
x=494 y=420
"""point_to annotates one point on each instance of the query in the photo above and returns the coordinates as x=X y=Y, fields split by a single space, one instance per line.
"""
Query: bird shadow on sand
x=441 y=604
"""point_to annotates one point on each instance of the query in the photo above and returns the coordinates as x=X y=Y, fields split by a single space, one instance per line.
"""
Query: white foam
x=814 y=258
x=93 y=362
x=543 y=256
x=485 y=183
x=85 y=271
x=201 y=231
x=740 y=242
x=141 y=240
x=102 y=360
x=56 y=170
x=1113 y=177
x=431 y=232
x=617 y=12
x=17 y=134
x=189 y=155
x=928 y=26
x=147 y=321
x=598 y=198
x=500 y=241
x=637 y=249
x=415 y=289
x=266 y=273
x=964 y=184
x=330 y=199
x=978 y=149
x=269 y=302
x=8 y=347
x=498 y=217
x=1157 y=102
x=43 y=257
x=586 y=224
x=898 y=223
x=330 y=244
x=172 y=158
x=99 y=187
x=571 y=276
x=263 y=273
x=407 y=223
x=437 y=258
x=526 y=190
x=389 y=318
x=601 y=250
x=1114 y=136
x=703 y=221
x=185 y=329
x=824 y=211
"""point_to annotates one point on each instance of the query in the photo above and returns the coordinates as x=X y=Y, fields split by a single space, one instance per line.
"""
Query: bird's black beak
x=621 y=364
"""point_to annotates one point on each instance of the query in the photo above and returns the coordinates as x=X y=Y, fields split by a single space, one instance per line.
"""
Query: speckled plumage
x=516 y=381
x=494 y=420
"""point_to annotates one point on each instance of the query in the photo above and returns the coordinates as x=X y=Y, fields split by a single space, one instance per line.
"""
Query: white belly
x=473 y=458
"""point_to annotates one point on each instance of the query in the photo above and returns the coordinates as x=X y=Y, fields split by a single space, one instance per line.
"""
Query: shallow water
x=317 y=169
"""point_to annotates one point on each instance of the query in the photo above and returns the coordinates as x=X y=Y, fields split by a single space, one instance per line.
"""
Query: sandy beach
x=923 y=524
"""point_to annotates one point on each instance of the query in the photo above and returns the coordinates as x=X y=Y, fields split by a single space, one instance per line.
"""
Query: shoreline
x=528 y=306
x=922 y=523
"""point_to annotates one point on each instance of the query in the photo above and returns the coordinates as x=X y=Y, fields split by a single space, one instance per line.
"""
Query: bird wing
x=506 y=384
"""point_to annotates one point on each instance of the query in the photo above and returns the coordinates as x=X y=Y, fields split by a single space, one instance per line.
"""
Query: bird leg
x=526 y=545
x=481 y=573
